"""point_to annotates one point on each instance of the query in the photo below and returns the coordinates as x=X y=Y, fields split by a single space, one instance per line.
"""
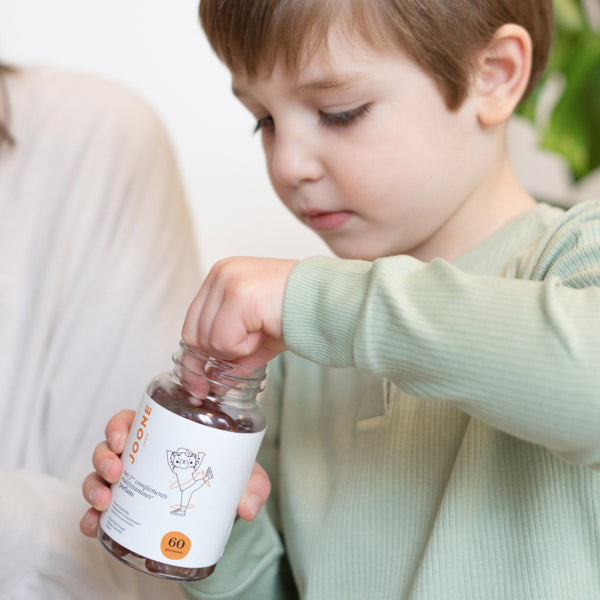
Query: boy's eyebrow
x=334 y=82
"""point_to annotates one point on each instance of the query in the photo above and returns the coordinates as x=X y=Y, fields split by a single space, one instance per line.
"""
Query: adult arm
x=46 y=555
x=99 y=292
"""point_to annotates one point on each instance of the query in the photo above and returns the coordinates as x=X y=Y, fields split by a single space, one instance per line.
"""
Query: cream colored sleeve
x=94 y=307
x=46 y=556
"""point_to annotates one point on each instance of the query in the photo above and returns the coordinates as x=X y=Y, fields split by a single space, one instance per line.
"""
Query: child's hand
x=108 y=469
x=237 y=314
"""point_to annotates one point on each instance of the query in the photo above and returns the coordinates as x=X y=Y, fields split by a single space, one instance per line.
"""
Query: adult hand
x=108 y=469
x=237 y=314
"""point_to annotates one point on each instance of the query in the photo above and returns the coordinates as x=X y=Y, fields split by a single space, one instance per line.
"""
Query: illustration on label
x=185 y=464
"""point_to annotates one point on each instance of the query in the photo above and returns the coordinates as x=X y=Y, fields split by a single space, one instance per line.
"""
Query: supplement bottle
x=186 y=464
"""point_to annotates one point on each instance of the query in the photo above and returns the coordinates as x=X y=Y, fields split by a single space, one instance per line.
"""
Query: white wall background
x=157 y=48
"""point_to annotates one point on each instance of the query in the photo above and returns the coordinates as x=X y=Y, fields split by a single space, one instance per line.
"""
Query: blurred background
x=156 y=48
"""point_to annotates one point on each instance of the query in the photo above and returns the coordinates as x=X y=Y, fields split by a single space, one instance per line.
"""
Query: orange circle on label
x=175 y=545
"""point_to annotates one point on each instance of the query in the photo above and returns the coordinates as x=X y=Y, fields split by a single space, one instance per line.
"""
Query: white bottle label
x=177 y=498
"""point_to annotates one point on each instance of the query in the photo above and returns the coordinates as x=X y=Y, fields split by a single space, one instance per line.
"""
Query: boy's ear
x=502 y=74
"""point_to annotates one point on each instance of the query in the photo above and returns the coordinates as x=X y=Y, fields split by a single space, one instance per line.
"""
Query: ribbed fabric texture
x=433 y=451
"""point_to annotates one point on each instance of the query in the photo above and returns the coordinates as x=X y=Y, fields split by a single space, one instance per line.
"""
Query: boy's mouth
x=326 y=221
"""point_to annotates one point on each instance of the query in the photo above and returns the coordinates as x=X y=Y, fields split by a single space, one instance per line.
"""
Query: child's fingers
x=256 y=494
x=107 y=464
x=238 y=307
x=89 y=522
x=96 y=492
x=200 y=312
x=117 y=430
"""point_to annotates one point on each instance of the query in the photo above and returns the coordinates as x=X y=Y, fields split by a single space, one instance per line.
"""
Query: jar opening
x=224 y=378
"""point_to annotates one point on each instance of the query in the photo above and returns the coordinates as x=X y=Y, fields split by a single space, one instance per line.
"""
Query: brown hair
x=442 y=36
x=5 y=135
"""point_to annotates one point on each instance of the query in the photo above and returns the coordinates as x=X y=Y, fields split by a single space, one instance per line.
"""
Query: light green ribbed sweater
x=451 y=452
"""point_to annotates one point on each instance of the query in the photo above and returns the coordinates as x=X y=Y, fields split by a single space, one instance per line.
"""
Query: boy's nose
x=294 y=161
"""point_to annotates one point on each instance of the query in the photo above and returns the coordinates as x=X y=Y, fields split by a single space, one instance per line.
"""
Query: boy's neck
x=499 y=199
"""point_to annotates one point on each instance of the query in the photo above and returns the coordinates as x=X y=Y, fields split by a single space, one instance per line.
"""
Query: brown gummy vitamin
x=179 y=572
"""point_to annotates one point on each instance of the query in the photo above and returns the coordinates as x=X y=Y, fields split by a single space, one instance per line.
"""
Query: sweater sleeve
x=249 y=567
x=100 y=267
x=519 y=353
x=125 y=272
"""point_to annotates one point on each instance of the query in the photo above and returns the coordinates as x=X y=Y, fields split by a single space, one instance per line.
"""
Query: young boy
x=433 y=432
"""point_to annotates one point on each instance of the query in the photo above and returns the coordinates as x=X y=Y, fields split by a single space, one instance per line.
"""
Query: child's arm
x=520 y=354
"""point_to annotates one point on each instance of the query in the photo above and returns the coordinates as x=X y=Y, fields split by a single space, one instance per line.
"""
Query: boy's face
x=362 y=149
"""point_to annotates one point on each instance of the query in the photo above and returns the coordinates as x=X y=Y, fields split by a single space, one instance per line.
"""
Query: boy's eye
x=264 y=122
x=344 y=119
x=333 y=120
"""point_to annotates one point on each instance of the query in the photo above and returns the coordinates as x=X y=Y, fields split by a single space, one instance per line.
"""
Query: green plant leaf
x=574 y=126
x=573 y=129
x=569 y=15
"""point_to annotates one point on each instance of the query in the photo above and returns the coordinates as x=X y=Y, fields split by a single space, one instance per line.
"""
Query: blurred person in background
x=98 y=267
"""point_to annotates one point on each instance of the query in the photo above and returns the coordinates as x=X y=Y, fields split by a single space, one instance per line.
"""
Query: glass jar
x=186 y=464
